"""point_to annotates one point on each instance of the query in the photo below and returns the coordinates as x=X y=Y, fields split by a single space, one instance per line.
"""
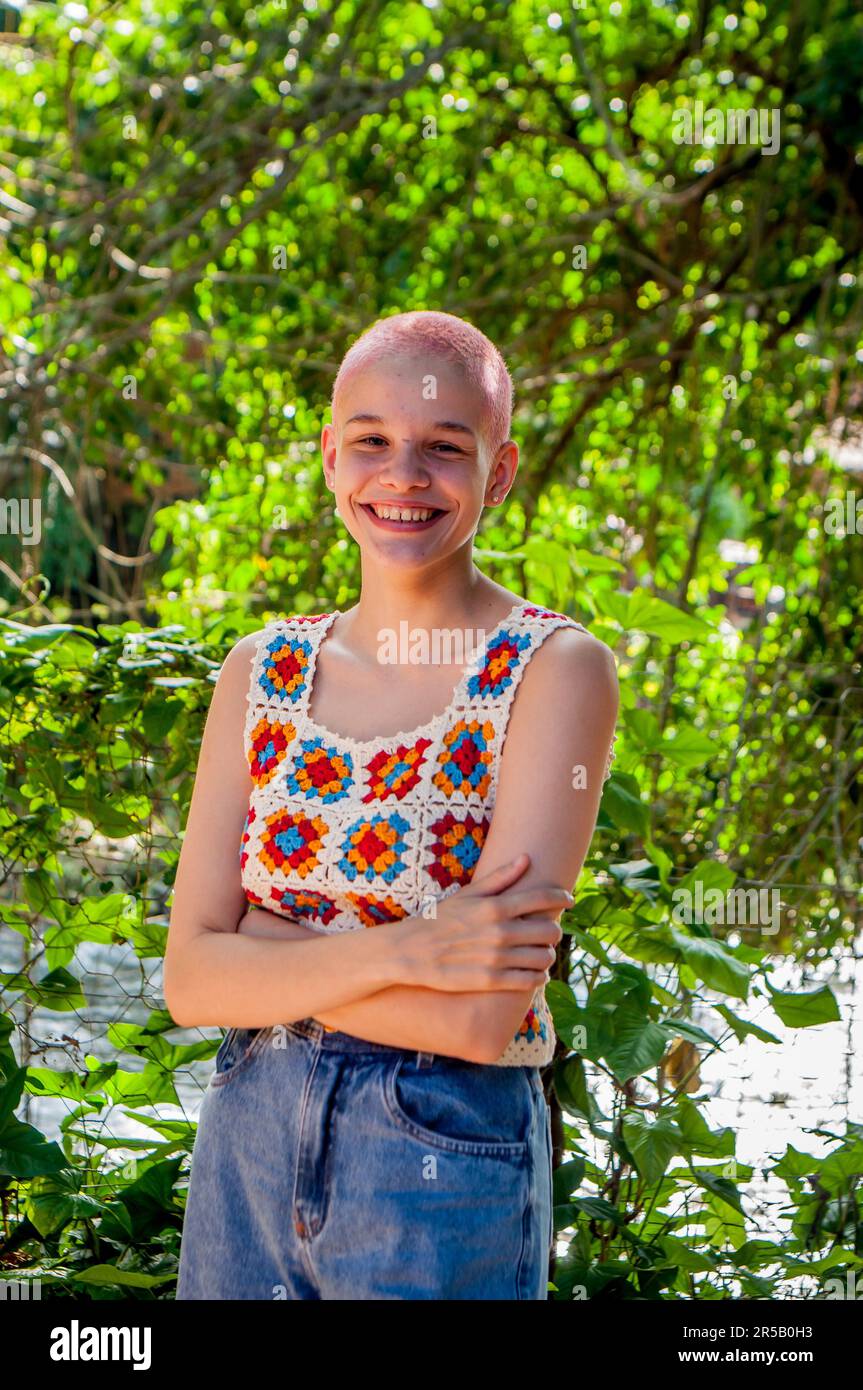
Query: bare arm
x=412 y=1016
x=562 y=720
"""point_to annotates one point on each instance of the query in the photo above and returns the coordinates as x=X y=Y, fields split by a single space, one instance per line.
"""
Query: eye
x=445 y=444
x=372 y=439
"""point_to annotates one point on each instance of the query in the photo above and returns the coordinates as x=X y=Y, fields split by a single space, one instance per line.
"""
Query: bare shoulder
x=571 y=666
x=235 y=673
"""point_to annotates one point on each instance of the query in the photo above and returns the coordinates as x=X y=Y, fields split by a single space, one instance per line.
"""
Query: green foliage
x=100 y=751
x=199 y=210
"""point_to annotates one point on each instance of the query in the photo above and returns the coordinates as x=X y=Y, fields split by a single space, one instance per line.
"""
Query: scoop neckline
x=402 y=736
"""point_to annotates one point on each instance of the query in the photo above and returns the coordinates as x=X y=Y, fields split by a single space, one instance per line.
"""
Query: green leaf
x=159 y=718
x=591 y=562
x=710 y=874
x=795 y=1164
x=743 y=1028
x=805 y=1010
x=637 y=876
x=689 y=748
x=638 y=1043
x=713 y=963
x=684 y=1257
x=567 y=1179
x=598 y=1209
x=719 y=1187
x=697 y=1136
x=58 y=991
x=651 y=1145
x=572 y=1090
x=111 y=1274
x=25 y=1153
x=622 y=803
x=51 y=1205
x=566 y=1013
x=644 y=612
x=685 y=1029
x=41 y=893
x=112 y=821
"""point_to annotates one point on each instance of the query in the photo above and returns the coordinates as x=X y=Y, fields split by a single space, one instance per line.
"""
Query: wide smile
x=388 y=517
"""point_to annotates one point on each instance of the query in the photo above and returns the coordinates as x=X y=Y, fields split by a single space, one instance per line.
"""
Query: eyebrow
x=455 y=425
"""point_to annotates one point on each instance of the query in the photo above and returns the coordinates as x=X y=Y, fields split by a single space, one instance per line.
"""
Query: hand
x=479 y=940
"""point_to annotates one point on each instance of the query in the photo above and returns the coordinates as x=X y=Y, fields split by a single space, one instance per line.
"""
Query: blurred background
x=655 y=209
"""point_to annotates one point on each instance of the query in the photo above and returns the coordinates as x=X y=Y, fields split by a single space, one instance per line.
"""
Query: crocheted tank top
x=342 y=834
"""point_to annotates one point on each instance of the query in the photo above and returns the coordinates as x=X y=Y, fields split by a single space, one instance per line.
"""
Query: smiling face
x=411 y=476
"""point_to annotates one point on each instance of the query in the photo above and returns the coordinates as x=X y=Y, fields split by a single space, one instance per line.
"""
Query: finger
x=499 y=879
x=540 y=957
x=519 y=979
x=539 y=931
x=540 y=897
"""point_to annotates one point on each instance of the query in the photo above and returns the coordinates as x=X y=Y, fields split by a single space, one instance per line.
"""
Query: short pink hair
x=440 y=335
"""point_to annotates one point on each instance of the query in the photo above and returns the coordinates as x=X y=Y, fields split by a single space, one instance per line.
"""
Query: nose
x=405 y=468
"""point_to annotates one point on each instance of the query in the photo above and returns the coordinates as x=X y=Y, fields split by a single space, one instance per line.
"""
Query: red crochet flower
x=393 y=773
x=457 y=848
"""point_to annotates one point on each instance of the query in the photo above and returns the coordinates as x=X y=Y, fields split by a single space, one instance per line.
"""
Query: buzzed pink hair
x=439 y=335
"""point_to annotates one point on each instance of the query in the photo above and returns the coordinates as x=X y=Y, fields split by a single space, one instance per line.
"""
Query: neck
x=446 y=601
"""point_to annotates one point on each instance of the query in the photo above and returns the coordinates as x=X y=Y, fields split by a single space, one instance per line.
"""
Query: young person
x=376 y=1126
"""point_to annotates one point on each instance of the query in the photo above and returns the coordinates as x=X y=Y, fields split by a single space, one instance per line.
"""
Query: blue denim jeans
x=327 y=1167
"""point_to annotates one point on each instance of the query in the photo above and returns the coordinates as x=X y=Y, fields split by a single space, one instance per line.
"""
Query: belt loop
x=425 y=1059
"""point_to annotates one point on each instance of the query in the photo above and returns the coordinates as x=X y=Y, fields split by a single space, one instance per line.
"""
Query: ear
x=502 y=472
x=328 y=455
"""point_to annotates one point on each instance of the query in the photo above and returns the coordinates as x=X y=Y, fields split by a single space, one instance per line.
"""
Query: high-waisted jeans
x=327 y=1167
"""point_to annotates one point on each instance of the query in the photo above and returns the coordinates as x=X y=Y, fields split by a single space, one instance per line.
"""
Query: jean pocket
x=479 y=1111
x=238 y=1048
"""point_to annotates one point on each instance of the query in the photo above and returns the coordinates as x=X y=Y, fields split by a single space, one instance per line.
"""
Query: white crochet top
x=342 y=834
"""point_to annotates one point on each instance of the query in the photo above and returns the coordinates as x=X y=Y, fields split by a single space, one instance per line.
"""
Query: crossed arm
x=549 y=788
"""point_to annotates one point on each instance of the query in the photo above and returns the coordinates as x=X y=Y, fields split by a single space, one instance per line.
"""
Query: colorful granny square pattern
x=344 y=834
x=292 y=842
x=466 y=759
x=373 y=848
x=321 y=773
x=247 y=825
x=284 y=666
x=270 y=740
x=395 y=773
x=543 y=613
x=298 y=902
x=456 y=848
x=533 y=1027
x=501 y=659
x=373 y=911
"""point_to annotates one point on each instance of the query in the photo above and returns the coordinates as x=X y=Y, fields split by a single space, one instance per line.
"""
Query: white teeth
x=402 y=513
